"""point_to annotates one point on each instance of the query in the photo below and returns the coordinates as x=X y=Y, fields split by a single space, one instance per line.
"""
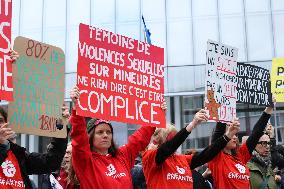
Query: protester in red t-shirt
x=95 y=159
x=17 y=163
x=229 y=168
x=163 y=169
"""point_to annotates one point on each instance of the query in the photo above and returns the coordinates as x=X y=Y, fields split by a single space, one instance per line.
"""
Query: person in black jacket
x=16 y=163
x=199 y=181
x=137 y=175
x=277 y=158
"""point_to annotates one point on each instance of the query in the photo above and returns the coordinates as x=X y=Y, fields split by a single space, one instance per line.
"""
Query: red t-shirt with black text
x=231 y=172
x=10 y=173
x=174 y=172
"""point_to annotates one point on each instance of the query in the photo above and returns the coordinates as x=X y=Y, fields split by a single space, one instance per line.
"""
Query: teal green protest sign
x=38 y=80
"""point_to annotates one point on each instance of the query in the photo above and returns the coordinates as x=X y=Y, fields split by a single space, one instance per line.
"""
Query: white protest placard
x=221 y=81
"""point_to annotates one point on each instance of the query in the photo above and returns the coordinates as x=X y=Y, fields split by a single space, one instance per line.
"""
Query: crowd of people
x=149 y=159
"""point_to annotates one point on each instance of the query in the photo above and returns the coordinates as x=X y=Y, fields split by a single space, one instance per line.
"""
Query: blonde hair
x=163 y=133
x=170 y=128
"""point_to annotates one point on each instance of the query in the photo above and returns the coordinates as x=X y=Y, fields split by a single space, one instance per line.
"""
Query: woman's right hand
x=74 y=95
x=200 y=116
x=65 y=114
x=5 y=133
x=233 y=129
x=270 y=130
x=164 y=106
x=269 y=110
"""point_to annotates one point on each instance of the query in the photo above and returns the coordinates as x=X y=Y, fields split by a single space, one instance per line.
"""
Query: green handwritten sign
x=38 y=80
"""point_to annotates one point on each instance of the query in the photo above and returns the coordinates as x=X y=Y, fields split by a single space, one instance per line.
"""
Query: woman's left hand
x=14 y=55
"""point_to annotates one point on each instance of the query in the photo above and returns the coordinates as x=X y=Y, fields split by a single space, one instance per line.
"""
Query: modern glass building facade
x=182 y=28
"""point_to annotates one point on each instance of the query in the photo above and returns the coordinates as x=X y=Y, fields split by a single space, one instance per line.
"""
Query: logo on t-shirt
x=241 y=168
x=180 y=170
x=241 y=175
x=179 y=175
x=9 y=169
x=112 y=172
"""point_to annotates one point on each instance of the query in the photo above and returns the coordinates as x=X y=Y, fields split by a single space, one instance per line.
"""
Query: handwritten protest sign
x=120 y=79
x=38 y=78
x=221 y=81
x=6 y=85
x=277 y=79
x=253 y=85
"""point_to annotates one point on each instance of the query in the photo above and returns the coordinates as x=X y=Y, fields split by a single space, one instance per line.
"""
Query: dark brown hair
x=112 y=150
x=3 y=113
x=234 y=152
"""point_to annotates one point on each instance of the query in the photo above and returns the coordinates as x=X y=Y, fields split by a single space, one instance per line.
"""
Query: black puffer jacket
x=37 y=163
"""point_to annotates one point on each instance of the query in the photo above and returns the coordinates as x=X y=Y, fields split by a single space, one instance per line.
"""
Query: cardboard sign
x=253 y=85
x=120 y=79
x=38 y=78
x=6 y=85
x=277 y=79
x=221 y=81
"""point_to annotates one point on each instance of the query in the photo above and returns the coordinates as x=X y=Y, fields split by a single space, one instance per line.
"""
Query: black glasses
x=265 y=143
